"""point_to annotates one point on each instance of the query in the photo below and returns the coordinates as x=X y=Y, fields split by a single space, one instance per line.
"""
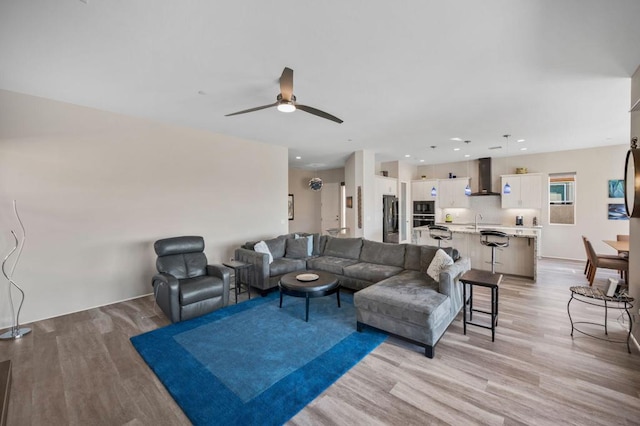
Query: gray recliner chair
x=185 y=286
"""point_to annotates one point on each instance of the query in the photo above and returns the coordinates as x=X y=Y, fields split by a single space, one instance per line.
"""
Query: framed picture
x=349 y=202
x=290 y=207
x=617 y=212
x=616 y=188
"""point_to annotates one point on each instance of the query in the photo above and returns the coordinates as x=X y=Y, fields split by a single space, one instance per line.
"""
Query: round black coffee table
x=301 y=284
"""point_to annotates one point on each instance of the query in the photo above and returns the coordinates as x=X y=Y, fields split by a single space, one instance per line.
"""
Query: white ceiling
x=403 y=75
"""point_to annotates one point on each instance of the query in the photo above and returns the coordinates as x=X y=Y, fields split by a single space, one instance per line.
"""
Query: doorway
x=330 y=207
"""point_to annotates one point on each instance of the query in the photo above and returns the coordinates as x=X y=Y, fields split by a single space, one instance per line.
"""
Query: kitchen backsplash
x=490 y=207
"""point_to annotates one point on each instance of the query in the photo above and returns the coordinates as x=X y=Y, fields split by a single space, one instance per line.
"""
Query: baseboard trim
x=3 y=326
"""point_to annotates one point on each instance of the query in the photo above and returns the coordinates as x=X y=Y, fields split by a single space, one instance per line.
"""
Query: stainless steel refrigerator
x=389 y=219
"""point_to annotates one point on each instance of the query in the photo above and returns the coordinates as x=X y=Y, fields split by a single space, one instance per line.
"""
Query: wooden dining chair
x=622 y=254
x=587 y=265
x=605 y=261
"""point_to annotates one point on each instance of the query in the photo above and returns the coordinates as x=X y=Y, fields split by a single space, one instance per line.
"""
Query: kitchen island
x=520 y=258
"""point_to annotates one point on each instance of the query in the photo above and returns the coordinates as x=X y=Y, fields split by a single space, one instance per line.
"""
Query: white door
x=330 y=206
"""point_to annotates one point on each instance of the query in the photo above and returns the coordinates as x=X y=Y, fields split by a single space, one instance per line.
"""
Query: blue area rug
x=254 y=363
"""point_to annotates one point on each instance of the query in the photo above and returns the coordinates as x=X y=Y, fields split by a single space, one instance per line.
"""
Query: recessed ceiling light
x=407 y=155
x=422 y=161
x=456 y=139
x=523 y=149
x=298 y=158
x=456 y=149
x=467 y=155
x=520 y=140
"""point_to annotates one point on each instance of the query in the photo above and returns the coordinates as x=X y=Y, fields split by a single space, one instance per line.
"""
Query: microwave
x=424 y=207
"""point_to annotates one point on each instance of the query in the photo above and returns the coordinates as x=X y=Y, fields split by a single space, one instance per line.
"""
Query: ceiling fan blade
x=252 y=109
x=286 y=83
x=319 y=113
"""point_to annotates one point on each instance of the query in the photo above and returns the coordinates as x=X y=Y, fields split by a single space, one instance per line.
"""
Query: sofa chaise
x=393 y=292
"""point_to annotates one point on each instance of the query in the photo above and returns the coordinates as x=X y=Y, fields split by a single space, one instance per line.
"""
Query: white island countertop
x=469 y=228
x=520 y=258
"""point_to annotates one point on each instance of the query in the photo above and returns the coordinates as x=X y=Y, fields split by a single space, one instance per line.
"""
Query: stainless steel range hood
x=484 y=178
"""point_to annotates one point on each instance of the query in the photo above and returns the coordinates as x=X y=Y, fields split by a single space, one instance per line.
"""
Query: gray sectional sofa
x=393 y=292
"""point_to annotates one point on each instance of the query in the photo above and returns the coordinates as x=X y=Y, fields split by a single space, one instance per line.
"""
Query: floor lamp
x=15 y=332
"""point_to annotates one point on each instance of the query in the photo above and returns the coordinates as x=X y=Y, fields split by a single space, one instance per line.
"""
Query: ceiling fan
x=286 y=101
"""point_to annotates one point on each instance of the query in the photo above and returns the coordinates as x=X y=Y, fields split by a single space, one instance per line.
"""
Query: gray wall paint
x=96 y=189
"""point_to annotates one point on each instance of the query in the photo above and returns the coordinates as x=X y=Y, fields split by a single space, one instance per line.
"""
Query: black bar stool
x=439 y=232
x=494 y=239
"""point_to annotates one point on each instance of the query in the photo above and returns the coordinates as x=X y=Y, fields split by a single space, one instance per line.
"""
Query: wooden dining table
x=620 y=246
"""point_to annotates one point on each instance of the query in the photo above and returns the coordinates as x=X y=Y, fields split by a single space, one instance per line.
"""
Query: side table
x=237 y=267
x=595 y=296
x=480 y=278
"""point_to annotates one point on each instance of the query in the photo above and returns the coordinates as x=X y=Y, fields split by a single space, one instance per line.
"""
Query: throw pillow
x=440 y=261
x=262 y=247
x=310 y=242
x=309 y=245
x=297 y=248
x=277 y=246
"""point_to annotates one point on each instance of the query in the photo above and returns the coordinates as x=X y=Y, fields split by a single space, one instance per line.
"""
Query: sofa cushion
x=382 y=253
x=297 y=248
x=372 y=272
x=440 y=261
x=405 y=299
x=262 y=247
x=285 y=265
x=348 y=248
x=318 y=249
x=313 y=242
x=412 y=257
x=335 y=265
x=277 y=246
x=427 y=253
x=196 y=289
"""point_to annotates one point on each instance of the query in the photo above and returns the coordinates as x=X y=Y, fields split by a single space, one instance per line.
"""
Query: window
x=562 y=198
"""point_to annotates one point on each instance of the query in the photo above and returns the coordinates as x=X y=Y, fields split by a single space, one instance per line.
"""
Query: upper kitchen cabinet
x=421 y=189
x=386 y=186
x=451 y=193
x=526 y=191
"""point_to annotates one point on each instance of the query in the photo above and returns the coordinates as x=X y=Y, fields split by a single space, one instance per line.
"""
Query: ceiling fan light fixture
x=286 y=107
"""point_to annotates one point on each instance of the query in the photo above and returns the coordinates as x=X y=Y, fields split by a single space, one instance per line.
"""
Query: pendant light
x=507 y=187
x=434 y=191
x=467 y=189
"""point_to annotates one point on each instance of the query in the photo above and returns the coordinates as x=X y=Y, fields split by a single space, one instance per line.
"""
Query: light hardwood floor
x=81 y=369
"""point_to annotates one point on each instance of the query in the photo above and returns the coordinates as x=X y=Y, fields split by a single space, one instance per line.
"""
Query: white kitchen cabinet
x=451 y=193
x=386 y=186
x=526 y=191
x=421 y=189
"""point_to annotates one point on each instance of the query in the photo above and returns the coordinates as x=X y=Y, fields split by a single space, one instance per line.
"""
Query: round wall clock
x=315 y=184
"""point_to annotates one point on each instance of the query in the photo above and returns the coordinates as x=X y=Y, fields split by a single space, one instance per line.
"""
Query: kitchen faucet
x=476 y=220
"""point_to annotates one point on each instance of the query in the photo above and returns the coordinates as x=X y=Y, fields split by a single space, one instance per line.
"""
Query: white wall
x=96 y=189
x=594 y=167
x=307 y=202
